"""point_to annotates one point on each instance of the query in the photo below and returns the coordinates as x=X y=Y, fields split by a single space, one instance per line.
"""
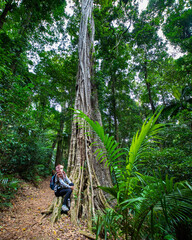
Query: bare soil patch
x=24 y=220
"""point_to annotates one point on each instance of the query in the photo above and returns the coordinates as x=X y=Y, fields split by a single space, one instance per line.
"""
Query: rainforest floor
x=24 y=220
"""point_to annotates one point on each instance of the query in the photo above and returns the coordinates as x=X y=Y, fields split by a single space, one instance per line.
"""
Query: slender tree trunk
x=51 y=153
x=163 y=98
x=148 y=85
x=84 y=170
x=114 y=105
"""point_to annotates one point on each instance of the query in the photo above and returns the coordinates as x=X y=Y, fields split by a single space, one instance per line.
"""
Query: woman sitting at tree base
x=63 y=186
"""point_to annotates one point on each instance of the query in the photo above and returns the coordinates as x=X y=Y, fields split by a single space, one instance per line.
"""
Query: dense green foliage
x=134 y=73
x=148 y=206
x=31 y=89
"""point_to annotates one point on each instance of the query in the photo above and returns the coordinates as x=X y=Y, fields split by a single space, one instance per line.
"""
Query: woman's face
x=59 y=169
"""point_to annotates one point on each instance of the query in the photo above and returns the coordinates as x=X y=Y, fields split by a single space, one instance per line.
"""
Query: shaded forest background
x=134 y=72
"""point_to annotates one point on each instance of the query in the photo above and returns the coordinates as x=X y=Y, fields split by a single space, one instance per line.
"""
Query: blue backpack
x=52 y=182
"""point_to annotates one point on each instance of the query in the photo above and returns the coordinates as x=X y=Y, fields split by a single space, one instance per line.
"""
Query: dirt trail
x=24 y=220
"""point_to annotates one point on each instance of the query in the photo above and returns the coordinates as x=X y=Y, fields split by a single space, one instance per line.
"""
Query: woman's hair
x=59 y=165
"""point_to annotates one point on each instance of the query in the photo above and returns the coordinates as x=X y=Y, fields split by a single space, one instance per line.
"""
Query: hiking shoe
x=65 y=208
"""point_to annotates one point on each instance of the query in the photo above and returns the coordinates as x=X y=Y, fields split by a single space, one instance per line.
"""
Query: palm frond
x=169 y=201
x=111 y=190
x=141 y=140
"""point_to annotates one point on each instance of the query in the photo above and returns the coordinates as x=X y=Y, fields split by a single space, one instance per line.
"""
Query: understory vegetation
x=142 y=75
x=149 y=203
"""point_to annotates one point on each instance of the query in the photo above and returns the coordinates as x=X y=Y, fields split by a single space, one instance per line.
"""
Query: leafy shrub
x=8 y=187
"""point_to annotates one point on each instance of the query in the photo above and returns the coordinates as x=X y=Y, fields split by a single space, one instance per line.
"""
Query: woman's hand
x=59 y=175
x=72 y=187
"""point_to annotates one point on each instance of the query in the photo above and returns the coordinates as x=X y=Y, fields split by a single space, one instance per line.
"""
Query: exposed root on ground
x=54 y=209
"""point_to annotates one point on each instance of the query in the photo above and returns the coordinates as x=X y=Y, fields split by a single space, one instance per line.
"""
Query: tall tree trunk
x=59 y=153
x=84 y=170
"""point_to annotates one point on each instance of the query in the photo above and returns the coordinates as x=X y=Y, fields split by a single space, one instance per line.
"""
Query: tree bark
x=84 y=170
x=59 y=153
